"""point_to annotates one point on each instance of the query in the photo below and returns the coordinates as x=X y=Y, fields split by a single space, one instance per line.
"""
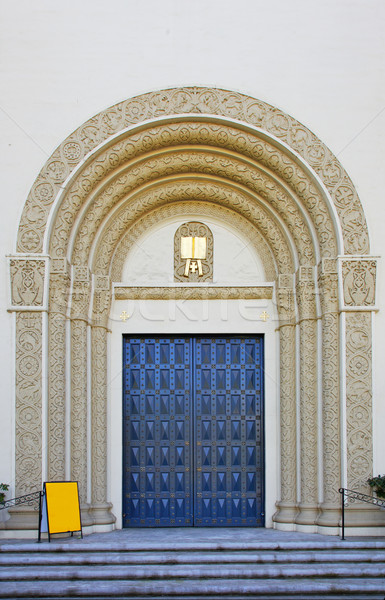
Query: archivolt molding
x=175 y=191
x=151 y=166
x=260 y=182
x=194 y=101
x=204 y=209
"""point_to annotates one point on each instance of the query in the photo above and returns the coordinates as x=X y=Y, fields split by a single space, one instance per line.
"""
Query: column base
x=85 y=513
x=23 y=517
x=330 y=515
x=286 y=513
x=308 y=514
x=101 y=514
x=364 y=515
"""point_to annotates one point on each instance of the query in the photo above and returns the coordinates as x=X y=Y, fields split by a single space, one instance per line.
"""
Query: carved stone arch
x=194 y=101
x=184 y=191
x=289 y=184
x=268 y=188
x=223 y=152
x=205 y=210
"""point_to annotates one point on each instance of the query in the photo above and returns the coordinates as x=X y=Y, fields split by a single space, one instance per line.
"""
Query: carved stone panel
x=193 y=253
x=359 y=282
x=27 y=276
x=359 y=399
x=28 y=428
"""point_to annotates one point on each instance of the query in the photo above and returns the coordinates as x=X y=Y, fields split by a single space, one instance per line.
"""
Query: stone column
x=358 y=302
x=79 y=387
x=58 y=297
x=100 y=508
x=28 y=274
x=331 y=417
x=308 y=396
x=287 y=506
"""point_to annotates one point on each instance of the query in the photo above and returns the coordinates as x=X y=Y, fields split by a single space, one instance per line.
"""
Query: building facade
x=193 y=295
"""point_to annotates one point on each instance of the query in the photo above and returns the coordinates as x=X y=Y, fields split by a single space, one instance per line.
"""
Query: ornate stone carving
x=285 y=298
x=28 y=429
x=195 y=263
x=194 y=293
x=132 y=174
x=80 y=293
x=181 y=192
x=287 y=506
x=79 y=389
x=205 y=209
x=59 y=294
x=331 y=430
x=308 y=396
x=359 y=399
x=100 y=509
x=101 y=300
x=359 y=282
x=27 y=281
x=202 y=165
x=193 y=100
x=79 y=434
x=306 y=293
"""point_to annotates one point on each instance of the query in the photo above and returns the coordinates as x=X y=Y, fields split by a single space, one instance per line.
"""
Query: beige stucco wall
x=323 y=64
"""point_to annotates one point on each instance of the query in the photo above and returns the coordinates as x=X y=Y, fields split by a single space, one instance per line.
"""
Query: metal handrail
x=351 y=496
x=27 y=499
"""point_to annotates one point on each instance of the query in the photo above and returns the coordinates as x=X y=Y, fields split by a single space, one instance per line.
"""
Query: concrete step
x=193 y=571
x=189 y=558
x=201 y=571
x=228 y=588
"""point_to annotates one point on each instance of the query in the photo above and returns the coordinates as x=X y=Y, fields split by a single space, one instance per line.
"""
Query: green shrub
x=378 y=483
x=3 y=488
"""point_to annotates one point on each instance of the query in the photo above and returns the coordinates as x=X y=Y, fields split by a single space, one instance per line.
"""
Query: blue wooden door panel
x=157 y=432
x=207 y=386
x=228 y=410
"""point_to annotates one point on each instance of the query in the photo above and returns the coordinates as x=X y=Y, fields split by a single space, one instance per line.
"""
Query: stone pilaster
x=287 y=506
x=305 y=289
x=331 y=414
x=28 y=299
x=100 y=508
x=358 y=277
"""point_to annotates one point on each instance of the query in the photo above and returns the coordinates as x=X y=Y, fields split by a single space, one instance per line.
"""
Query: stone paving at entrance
x=170 y=536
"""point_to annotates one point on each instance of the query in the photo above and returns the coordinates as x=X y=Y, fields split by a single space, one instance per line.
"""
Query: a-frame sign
x=59 y=508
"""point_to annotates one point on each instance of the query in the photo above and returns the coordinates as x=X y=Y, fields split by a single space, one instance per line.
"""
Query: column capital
x=358 y=282
x=28 y=277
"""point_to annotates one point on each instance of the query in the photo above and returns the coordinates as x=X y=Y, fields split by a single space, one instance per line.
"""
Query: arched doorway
x=203 y=152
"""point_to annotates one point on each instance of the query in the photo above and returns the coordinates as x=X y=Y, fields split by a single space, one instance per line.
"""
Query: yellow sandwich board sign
x=60 y=508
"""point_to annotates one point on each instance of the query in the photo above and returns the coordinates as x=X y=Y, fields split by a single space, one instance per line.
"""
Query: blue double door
x=193 y=431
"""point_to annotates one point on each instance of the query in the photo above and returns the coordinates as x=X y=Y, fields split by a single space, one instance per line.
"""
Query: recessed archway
x=205 y=151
